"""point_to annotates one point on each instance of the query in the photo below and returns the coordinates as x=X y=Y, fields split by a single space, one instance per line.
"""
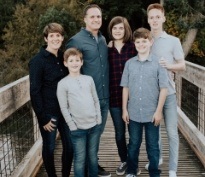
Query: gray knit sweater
x=79 y=102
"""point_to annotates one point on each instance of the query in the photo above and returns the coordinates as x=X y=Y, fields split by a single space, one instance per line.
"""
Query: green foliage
x=23 y=34
x=184 y=15
x=60 y=16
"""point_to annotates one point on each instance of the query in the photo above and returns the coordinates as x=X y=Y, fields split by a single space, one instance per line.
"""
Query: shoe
x=130 y=175
x=121 y=169
x=160 y=163
x=102 y=172
x=138 y=171
x=172 y=173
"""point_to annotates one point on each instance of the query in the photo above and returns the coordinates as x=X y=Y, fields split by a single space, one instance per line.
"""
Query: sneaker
x=160 y=163
x=102 y=172
x=172 y=173
x=130 y=175
x=138 y=171
x=121 y=169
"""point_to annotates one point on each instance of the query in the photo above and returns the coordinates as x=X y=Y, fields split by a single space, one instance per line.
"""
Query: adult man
x=170 y=50
x=93 y=46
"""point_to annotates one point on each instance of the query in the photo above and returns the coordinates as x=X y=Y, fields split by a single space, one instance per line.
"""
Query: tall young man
x=94 y=48
x=169 y=49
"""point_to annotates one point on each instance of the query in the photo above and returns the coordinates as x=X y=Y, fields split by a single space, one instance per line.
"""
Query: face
x=93 y=19
x=73 y=64
x=118 y=31
x=156 y=19
x=54 y=41
x=143 y=45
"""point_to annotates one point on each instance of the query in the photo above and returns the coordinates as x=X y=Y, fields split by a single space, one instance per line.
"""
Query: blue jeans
x=171 y=123
x=49 y=139
x=85 y=146
x=104 y=107
x=152 y=147
x=120 y=130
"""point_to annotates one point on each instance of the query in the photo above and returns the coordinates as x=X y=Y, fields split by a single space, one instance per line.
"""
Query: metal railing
x=190 y=86
x=18 y=127
x=20 y=142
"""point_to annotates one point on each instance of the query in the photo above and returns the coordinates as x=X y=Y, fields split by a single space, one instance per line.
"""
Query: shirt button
x=140 y=98
x=140 y=109
x=58 y=63
x=102 y=65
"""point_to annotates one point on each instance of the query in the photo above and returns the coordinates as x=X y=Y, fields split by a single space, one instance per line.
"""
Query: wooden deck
x=189 y=165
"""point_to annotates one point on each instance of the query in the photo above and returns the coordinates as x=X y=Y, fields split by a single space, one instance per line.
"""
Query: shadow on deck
x=189 y=164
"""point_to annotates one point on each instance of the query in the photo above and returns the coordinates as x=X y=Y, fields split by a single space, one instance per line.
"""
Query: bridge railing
x=20 y=141
x=190 y=86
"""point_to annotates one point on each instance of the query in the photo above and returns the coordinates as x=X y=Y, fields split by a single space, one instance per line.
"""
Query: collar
x=88 y=32
x=148 y=59
x=162 y=35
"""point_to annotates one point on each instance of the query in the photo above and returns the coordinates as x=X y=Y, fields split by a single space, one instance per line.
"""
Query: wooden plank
x=195 y=138
x=13 y=96
x=189 y=164
x=30 y=162
x=194 y=74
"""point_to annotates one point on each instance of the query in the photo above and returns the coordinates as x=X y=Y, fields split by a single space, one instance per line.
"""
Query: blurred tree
x=23 y=34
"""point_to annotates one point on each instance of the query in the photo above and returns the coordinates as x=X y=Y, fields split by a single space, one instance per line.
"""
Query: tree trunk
x=189 y=39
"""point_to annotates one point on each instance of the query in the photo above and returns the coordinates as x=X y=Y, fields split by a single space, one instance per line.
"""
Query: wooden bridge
x=20 y=141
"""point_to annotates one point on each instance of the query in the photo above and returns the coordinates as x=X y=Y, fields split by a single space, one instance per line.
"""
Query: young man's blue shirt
x=144 y=80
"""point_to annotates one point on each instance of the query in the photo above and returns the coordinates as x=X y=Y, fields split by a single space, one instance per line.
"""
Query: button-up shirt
x=45 y=71
x=117 y=62
x=170 y=48
x=144 y=80
x=95 y=59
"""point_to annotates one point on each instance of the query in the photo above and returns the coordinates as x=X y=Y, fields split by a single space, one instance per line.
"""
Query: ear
x=65 y=63
x=85 y=20
x=164 y=19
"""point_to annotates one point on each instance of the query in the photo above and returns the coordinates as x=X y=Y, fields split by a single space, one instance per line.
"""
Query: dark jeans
x=152 y=147
x=120 y=131
x=104 y=107
x=85 y=146
x=49 y=146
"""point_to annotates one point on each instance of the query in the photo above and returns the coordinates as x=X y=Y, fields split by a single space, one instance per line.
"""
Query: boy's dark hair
x=128 y=32
x=155 y=6
x=53 y=28
x=142 y=33
x=72 y=52
x=89 y=7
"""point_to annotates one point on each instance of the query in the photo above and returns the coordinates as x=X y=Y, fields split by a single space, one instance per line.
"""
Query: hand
x=125 y=116
x=50 y=125
x=164 y=63
x=110 y=44
x=157 y=117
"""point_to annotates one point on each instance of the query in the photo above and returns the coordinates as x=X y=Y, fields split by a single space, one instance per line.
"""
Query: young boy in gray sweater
x=80 y=107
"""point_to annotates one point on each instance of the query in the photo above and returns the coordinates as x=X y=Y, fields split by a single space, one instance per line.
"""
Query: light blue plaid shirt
x=144 y=80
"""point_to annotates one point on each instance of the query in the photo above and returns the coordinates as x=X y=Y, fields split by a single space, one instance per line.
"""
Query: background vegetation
x=22 y=21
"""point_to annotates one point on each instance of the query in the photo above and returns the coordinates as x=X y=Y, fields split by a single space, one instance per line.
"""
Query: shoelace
x=122 y=165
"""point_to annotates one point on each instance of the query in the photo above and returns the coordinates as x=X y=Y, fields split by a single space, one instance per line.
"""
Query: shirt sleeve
x=178 y=50
x=63 y=102
x=36 y=72
x=163 y=77
x=125 y=75
x=96 y=102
